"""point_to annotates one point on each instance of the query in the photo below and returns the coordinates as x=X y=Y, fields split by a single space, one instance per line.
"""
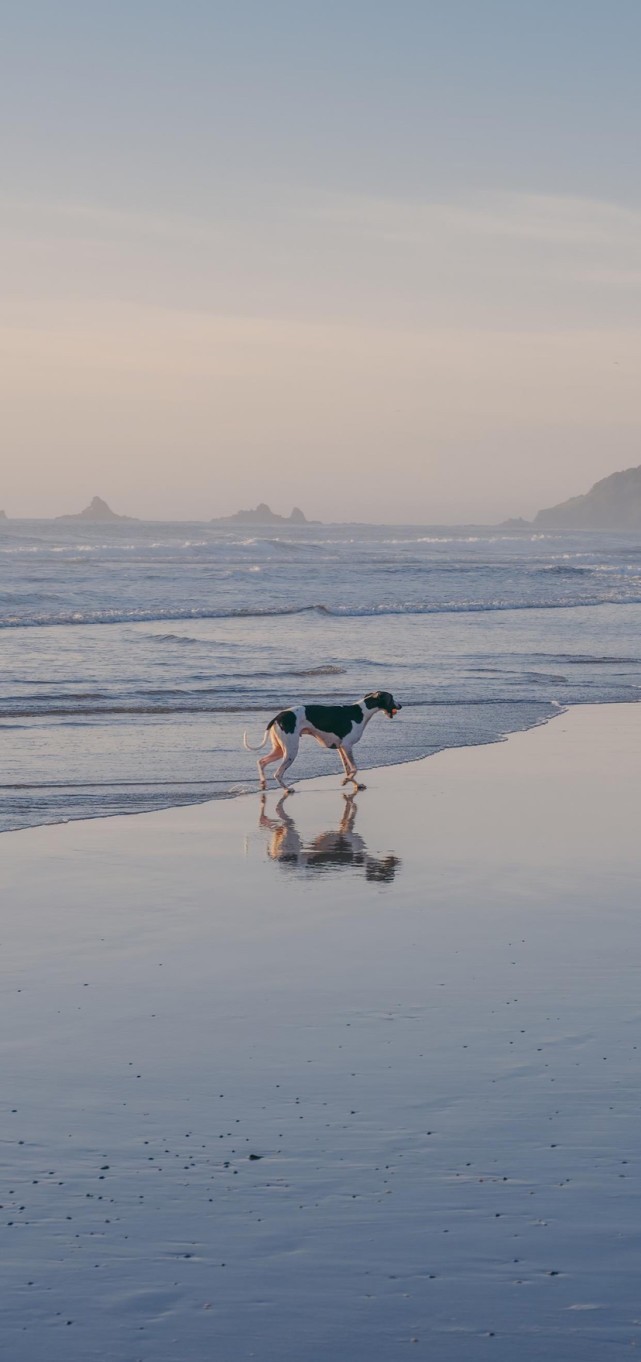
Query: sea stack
x=98 y=511
x=263 y=515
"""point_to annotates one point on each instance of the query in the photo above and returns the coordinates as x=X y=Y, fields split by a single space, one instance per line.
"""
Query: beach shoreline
x=332 y=1076
x=295 y=779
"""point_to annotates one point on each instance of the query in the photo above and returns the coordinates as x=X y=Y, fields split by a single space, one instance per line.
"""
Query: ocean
x=134 y=654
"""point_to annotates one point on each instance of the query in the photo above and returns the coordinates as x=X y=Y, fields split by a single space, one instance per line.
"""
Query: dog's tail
x=249 y=747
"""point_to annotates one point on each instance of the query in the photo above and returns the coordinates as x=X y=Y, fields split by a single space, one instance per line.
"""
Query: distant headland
x=614 y=503
x=263 y=515
x=97 y=510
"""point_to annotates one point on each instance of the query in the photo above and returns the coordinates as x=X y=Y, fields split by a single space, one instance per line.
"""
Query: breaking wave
x=142 y=615
x=326 y=669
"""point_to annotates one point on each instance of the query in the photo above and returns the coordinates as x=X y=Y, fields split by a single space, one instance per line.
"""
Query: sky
x=381 y=261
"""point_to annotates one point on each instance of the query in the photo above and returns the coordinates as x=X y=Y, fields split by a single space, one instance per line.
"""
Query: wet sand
x=360 y=1082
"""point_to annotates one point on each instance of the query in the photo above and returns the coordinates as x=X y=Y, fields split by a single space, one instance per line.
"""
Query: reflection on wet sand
x=337 y=849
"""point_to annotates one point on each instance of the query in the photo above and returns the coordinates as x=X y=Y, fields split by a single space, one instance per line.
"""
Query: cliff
x=97 y=510
x=614 y=503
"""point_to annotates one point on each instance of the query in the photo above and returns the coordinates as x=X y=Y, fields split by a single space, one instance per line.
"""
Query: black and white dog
x=334 y=726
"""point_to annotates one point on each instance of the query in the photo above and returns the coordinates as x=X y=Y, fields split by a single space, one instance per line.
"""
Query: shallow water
x=133 y=656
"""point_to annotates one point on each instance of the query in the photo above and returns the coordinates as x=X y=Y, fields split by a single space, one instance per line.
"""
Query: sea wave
x=142 y=615
x=562 y=570
x=591 y=660
x=112 y=547
x=325 y=669
x=67 y=708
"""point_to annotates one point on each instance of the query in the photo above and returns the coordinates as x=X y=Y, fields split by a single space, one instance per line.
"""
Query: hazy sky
x=379 y=260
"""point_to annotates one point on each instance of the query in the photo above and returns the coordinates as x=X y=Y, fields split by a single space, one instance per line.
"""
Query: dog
x=335 y=726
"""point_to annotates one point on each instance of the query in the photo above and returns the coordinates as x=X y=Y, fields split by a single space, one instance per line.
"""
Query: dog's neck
x=367 y=712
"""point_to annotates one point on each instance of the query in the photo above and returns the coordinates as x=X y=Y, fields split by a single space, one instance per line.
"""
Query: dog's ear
x=373 y=700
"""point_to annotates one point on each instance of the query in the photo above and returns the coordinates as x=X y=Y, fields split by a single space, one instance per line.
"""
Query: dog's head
x=383 y=699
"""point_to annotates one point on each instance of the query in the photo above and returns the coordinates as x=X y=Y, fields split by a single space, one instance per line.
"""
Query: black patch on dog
x=285 y=720
x=336 y=719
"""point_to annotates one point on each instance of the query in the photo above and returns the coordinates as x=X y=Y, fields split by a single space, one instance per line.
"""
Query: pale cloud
x=492 y=259
x=559 y=219
x=564 y=221
x=617 y=278
x=103 y=219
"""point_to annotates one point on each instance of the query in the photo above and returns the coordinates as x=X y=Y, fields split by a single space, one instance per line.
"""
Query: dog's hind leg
x=276 y=753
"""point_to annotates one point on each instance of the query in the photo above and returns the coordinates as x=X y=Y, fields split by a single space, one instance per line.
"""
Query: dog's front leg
x=346 y=764
x=352 y=770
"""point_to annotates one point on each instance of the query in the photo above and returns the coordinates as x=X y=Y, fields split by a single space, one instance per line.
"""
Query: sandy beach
x=346 y=1079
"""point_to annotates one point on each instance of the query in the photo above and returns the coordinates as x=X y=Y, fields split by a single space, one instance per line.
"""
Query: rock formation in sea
x=97 y=510
x=3 y=515
x=263 y=515
x=614 y=503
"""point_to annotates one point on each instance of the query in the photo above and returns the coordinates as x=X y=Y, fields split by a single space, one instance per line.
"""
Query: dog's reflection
x=338 y=849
